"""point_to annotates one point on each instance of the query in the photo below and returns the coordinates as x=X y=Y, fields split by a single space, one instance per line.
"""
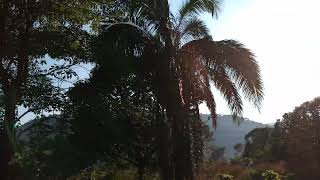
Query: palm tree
x=185 y=62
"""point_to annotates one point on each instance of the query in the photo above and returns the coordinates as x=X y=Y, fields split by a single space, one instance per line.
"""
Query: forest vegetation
x=137 y=115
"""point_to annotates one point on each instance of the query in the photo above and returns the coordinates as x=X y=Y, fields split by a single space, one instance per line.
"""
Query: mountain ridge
x=229 y=132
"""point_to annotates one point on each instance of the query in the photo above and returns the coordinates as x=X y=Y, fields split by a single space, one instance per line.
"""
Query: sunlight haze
x=284 y=35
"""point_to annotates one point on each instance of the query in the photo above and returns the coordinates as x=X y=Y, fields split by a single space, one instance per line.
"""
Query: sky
x=285 y=37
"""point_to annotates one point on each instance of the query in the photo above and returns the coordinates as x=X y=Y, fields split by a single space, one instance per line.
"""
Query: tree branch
x=125 y=158
x=25 y=113
x=51 y=72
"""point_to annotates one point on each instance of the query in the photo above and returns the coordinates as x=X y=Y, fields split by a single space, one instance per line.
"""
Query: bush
x=212 y=170
x=224 y=177
x=270 y=175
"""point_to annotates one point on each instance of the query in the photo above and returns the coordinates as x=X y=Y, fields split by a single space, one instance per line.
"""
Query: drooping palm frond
x=154 y=10
x=157 y=12
x=195 y=75
x=227 y=88
x=229 y=68
x=190 y=63
x=243 y=68
x=125 y=37
x=209 y=99
x=195 y=7
x=194 y=28
x=125 y=44
x=238 y=61
x=139 y=18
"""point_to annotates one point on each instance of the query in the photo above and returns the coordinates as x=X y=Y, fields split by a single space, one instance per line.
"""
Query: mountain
x=229 y=132
x=49 y=126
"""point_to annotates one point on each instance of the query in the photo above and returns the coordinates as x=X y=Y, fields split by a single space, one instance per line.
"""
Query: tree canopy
x=141 y=103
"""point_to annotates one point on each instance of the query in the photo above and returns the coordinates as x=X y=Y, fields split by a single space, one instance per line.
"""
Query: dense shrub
x=224 y=177
x=270 y=175
x=239 y=171
x=211 y=170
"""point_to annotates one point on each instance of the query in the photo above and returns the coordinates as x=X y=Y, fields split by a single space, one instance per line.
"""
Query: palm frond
x=126 y=44
x=233 y=60
x=195 y=7
x=194 y=28
x=209 y=99
x=196 y=84
x=156 y=11
x=227 y=88
x=243 y=68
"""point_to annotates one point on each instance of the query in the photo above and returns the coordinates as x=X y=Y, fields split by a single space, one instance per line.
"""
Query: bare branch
x=25 y=113
x=54 y=70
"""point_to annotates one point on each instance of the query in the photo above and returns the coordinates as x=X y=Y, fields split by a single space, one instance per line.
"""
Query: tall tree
x=300 y=139
x=187 y=63
x=31 y=32
x=118 y=115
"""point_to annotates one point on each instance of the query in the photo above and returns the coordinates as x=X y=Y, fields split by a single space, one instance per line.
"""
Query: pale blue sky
x=285 y=36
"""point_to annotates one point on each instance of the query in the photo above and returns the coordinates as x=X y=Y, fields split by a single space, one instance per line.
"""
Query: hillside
x=228 y=133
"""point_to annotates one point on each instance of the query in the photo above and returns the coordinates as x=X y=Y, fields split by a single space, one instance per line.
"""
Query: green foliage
x=141 y=103
x=44 y=151
x=185 y=62
x=216 y=153
x=299 y=139
x=39 y=95
x=224 y=177
x=270 y=175
x=258 y=144
x=118 y=117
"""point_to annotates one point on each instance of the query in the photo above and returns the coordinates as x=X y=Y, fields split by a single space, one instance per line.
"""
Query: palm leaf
x=227 y=88
x=231 y=67
x=238 y=61
x=195 y=7
x=128 y=45
x=194 y=28
x=243 y=68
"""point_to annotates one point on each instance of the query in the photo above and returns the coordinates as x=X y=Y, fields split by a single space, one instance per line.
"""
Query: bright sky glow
x=285 y=36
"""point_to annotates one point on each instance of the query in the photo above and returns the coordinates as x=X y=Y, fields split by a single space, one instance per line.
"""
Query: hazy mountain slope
x=228 y=133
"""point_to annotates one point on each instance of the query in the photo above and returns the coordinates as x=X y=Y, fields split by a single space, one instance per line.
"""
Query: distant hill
x=229 y=133
x=46 y=125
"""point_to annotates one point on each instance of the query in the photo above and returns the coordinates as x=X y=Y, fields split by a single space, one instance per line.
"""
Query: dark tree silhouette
x=31 y=32
x=186 y=62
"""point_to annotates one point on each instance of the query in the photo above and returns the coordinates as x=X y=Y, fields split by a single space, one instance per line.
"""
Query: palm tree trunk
x=164 y=152
x=179 y=150
x=188 y=149
x=5 y=156
x=141 y=171
x=170 y=92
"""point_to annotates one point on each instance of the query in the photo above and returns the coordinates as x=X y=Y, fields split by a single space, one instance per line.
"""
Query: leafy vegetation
x=137 y=115
x=283 y=148
x=186 y=61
